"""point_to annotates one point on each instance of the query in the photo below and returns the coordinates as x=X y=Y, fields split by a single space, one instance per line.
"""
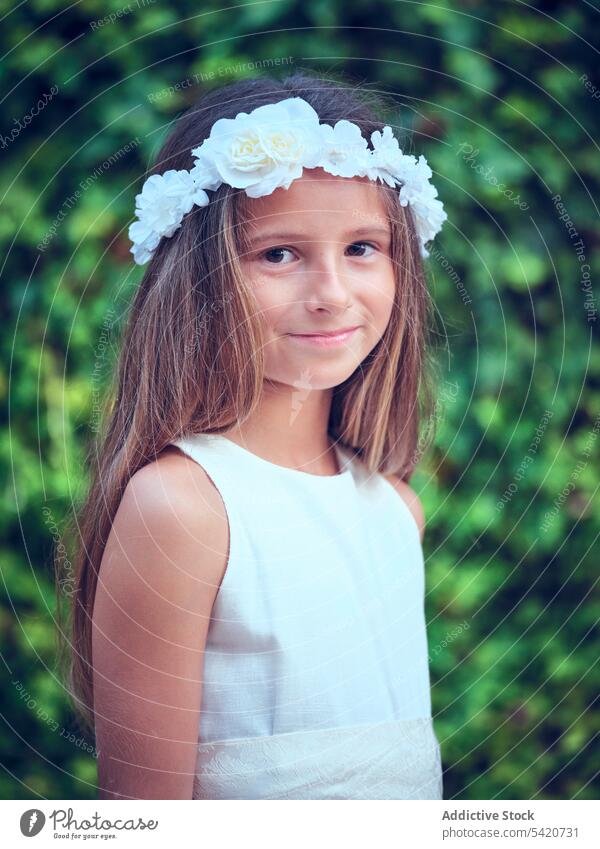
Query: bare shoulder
x=171 y=507
x=172 y=480
x=175 y=479
x=411 y=499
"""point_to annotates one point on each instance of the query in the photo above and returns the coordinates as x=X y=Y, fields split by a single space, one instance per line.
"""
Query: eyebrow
x=359 y=231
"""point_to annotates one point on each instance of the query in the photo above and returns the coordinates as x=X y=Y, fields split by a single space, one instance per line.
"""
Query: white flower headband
x=268 y=149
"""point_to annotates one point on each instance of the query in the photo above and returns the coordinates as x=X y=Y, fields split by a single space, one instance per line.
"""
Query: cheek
x=271 y=304
x=380 y=298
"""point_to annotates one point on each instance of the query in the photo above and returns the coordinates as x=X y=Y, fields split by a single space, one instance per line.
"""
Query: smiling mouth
x=328 y=332
x=325 y=340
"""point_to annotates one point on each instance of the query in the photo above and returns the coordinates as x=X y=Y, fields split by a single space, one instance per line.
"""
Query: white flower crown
x=268 y=149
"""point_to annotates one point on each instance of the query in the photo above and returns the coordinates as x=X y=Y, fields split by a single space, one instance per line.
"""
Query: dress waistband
x=399 y=759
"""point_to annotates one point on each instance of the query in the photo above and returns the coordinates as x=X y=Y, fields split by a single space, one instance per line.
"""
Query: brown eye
x=368 y=244
x=274 y=255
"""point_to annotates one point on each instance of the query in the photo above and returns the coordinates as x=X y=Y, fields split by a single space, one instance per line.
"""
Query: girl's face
x=319 y=262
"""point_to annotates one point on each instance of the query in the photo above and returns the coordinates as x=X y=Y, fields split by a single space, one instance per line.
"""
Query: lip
x=326 y=340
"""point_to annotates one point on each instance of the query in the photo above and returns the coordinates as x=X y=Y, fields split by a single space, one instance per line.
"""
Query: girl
x=249 y=615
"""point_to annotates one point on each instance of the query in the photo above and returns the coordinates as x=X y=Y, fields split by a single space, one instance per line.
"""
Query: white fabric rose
x=417 y=191
x=345 y=150
x=386 y=157
x=264 y=150
x=160 y=207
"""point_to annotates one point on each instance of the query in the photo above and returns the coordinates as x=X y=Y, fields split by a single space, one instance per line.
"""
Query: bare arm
x=159 y=576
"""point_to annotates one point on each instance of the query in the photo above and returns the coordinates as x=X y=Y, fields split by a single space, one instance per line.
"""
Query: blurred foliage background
x=503 y=100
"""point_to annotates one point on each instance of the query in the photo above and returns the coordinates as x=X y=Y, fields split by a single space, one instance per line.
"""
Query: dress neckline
x=344 y=458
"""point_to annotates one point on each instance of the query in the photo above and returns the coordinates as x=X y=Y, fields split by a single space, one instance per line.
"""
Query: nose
x=328 y=286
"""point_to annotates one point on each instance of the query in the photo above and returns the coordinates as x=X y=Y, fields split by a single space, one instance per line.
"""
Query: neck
x=289 y=427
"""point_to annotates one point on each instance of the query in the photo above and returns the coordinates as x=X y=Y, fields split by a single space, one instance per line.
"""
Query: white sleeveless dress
x=316 y=680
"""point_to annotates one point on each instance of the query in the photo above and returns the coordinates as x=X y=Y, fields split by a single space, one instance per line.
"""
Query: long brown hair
x=191 y=354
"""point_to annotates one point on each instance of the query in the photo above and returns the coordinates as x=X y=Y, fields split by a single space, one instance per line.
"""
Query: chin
x=311 y=379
